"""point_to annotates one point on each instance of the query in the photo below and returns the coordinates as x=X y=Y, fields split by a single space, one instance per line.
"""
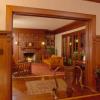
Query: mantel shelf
x=24 y=48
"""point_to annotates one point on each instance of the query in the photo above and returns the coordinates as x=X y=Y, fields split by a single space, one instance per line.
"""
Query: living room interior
x=38 y=41
x=46 y=50
x=36 y=45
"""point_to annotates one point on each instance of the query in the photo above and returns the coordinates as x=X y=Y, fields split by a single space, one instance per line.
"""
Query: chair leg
x=55 y=97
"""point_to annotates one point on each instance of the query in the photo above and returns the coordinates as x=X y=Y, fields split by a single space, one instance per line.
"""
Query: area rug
x=44 y=86
x=43 y=69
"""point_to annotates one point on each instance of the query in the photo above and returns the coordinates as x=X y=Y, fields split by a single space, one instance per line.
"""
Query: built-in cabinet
x=50 y=43
x=5 y=65
x=73 y=47
x=50 y=40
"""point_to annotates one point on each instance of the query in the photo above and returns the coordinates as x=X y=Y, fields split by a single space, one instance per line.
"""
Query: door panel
x=5 y=67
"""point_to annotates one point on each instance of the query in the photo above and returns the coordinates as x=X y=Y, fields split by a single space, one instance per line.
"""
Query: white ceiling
x=33 y=22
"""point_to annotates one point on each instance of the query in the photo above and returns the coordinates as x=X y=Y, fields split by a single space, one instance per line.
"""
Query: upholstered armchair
x=54 y=62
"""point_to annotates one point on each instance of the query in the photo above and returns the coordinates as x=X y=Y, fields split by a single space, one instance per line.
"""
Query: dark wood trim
x=98 y=38
x=70 y=26
x=97 y=47
x=5 y=32
x=10 y=10
x=90 y=30
x=83 y=30
x=97 y=1
x=86 y=97
x=45 y=30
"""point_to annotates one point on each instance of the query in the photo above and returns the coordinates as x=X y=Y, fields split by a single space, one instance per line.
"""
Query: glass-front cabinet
x=73 y=47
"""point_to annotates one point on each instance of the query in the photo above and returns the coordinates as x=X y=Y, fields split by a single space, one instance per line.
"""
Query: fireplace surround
x=28 y=56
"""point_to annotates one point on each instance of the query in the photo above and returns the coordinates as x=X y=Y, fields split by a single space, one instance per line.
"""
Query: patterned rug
x=43 y=69
x=44 y=86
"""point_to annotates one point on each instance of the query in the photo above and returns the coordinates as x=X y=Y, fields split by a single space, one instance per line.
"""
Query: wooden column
x=5 y=66
x=97 y=51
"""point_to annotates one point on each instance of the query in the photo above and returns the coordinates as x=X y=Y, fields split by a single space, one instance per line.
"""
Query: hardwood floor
x=20 y=90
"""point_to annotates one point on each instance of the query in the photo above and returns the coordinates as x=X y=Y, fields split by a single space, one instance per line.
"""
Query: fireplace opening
x=29 y=56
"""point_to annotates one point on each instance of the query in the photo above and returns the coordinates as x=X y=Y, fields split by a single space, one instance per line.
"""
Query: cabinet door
x=5 y=66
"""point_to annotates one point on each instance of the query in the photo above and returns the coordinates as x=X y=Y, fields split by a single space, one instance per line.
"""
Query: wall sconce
x=76 y=40
x=30 y=44
x=70 y=43
x=43 y=43
x=16 y=42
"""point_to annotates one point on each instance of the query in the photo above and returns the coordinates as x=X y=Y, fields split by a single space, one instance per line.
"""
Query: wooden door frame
x=90 y=30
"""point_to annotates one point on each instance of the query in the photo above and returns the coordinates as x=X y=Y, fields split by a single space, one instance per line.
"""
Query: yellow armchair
x=54 y=62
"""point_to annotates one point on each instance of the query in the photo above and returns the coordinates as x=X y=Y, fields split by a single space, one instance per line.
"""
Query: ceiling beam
x=68 y=27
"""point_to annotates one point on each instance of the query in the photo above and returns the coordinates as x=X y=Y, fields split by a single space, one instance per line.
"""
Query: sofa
x=54 y=61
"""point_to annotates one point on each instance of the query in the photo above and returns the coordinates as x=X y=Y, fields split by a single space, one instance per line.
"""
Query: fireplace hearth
x=29 y=56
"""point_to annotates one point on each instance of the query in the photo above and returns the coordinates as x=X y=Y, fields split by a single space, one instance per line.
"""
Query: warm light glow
x=43 y=43
x=29 y=59
x=16 y=43
x=84 y=58
x=30 y=44
x=70 y=43
x=76 y=40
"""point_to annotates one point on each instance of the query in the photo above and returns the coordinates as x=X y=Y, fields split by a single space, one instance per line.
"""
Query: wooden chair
x=78 y=75
x=73 y=76
x=22 y=68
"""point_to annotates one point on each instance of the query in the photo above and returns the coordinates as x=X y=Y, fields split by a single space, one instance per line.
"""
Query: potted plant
x=69 y=61
x=51 y=50
x=75 y=55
